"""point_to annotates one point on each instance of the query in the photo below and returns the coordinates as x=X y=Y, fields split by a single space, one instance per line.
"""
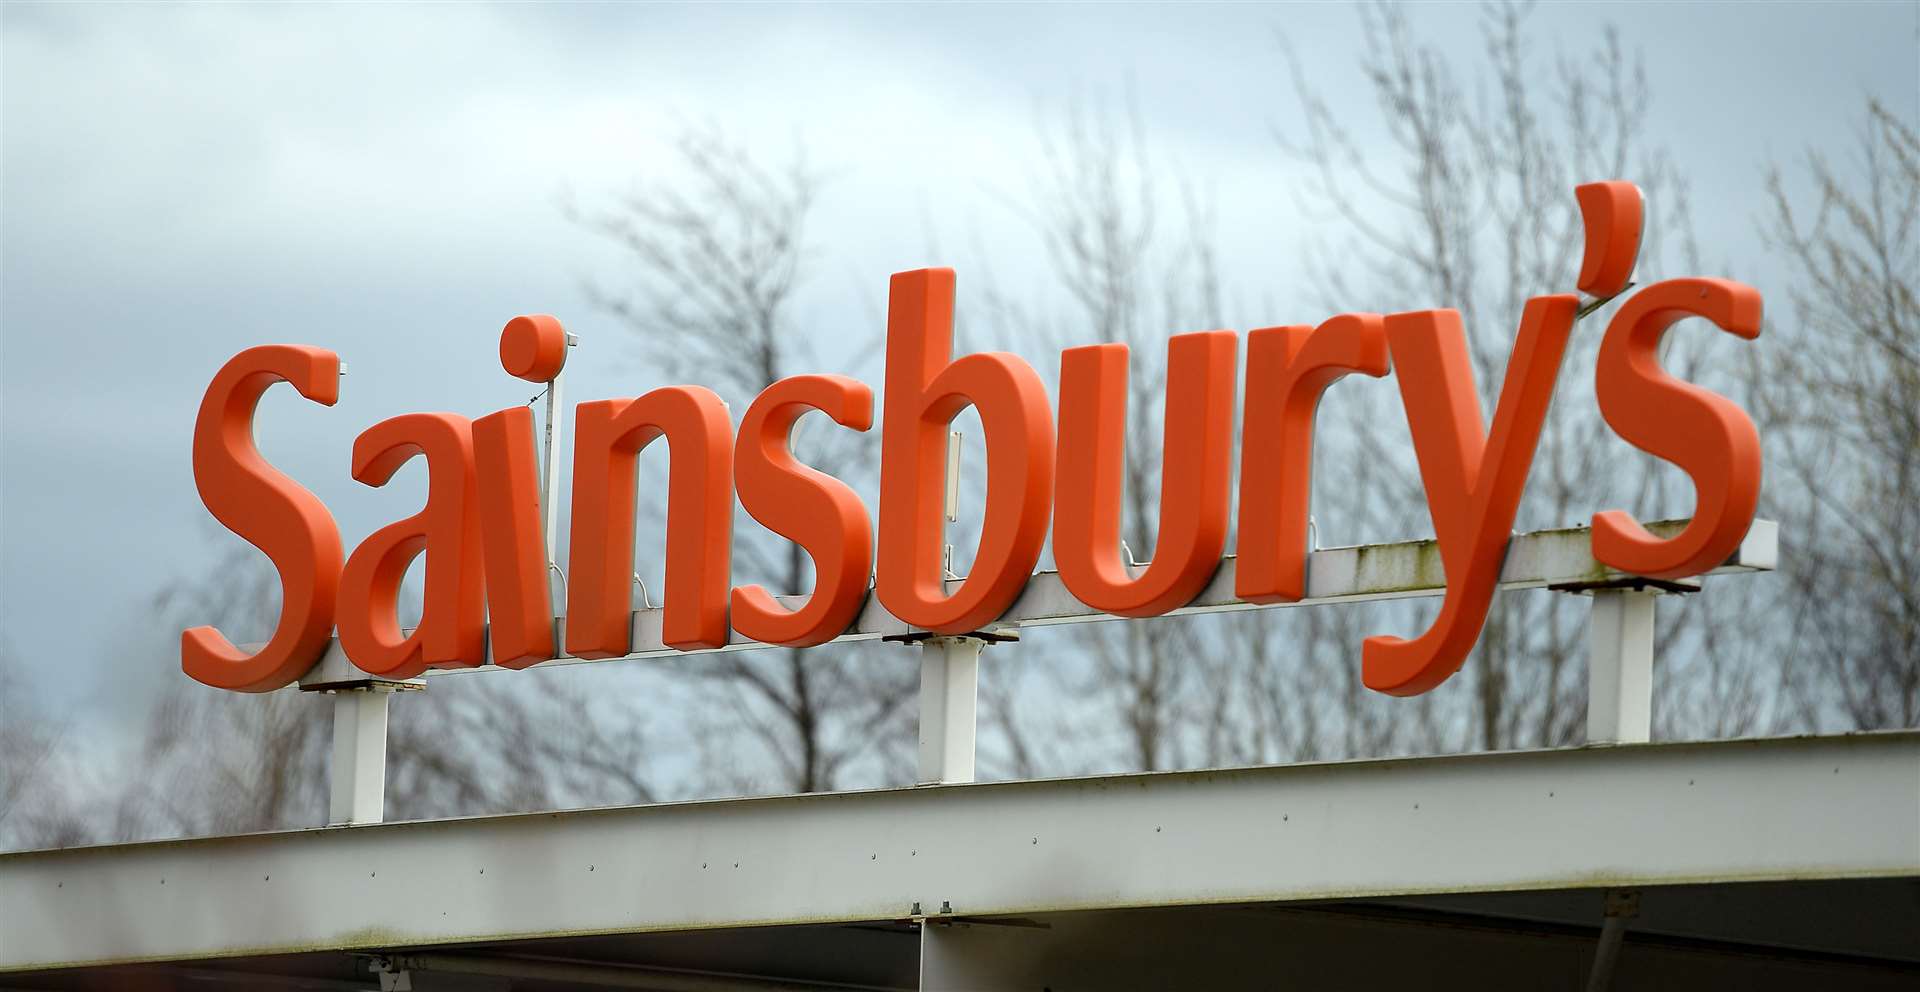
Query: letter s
x=814 y=510
x=1702 y=432
x=272 y=512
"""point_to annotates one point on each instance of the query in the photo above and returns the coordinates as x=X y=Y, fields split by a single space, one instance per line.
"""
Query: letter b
x=925 y=388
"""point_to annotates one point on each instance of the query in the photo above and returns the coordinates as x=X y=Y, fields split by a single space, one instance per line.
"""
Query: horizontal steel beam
x=1548 y=558
x=1613 y=816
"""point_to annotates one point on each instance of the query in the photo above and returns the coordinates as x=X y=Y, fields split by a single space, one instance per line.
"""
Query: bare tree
x=36 y=807
x=1482 y=217
x=1848 y=398
x=213 y=762
x=719 y=256
x=1473 y=208
x=1129 y=247
x=1263 y=686
x=208 y=761
x=218 y=762
x=494 y=743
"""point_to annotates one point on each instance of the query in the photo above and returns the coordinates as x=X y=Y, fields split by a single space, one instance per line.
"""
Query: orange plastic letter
x=926 y=387
x=1288 y=368
x=1473 y=480
x=272 y=512
x=699 y=519
x=1613 y=214
x=1702 y=432
x=814 y=510
x=533 y=347
x=1195 y=480
x=452 y=631
x=519 y=605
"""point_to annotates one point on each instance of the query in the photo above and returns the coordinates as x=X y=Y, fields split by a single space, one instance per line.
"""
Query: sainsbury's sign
x=486 y=573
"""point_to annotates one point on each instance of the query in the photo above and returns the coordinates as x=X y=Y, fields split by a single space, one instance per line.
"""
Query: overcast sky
x=181 y=183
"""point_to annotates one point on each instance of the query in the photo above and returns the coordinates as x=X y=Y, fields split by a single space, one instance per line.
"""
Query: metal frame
x=1559 y=559
x=1609 y=816
x=949 y=700
x=1620 y=666
x=1619 y=672
x=358 y=771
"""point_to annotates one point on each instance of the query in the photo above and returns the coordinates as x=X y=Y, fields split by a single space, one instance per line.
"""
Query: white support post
x=555 y=436
x=550 y=466
x=1620 y=671
x=949 y=694
x=358 y=775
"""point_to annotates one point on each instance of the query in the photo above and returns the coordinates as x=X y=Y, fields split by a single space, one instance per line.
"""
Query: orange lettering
x=488 y=557
x=821 y=514
x=1288 y=369
x=611 y=435
x=272 y=512
x=452 y=631
x=1473 y=480
x=926 y=387
x=1704 y=433
x=1195 y=481
x=533 y=347
x=519 y=602
x=1612 y=213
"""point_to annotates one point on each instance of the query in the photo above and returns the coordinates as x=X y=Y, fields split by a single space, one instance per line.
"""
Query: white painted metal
x=1552 y=558
x=964 y=957
x=952 y=509
x=1620 y=667
x=949 y=695
x=1344 y=947
x=596 y=975
x=953 y=477
x=357 y=777
x=1799 y=808
x=1622 y=905
x=1620 y=674
x=555 y=432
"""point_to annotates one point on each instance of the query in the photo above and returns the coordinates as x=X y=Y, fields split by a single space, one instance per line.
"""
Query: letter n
x=611 y=435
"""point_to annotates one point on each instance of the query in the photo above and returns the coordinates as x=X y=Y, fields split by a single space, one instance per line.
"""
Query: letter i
x=513 y=521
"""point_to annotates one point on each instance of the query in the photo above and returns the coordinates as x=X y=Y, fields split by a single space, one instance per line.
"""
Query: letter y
x=1473 y=480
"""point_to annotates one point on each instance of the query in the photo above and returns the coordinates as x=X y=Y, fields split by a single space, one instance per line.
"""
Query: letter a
x=452 y=631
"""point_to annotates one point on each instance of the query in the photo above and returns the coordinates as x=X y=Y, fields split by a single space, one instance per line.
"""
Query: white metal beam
x=1240 y=949
x=1620 y=667
x=949 y=697
x=1549 y=558
x=357 y=778
x=1626 y=816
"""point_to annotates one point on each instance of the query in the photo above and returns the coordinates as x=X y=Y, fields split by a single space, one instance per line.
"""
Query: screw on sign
x=482 y=521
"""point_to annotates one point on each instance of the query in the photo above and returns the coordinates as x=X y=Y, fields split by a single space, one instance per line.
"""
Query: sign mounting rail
x=1558 y=559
